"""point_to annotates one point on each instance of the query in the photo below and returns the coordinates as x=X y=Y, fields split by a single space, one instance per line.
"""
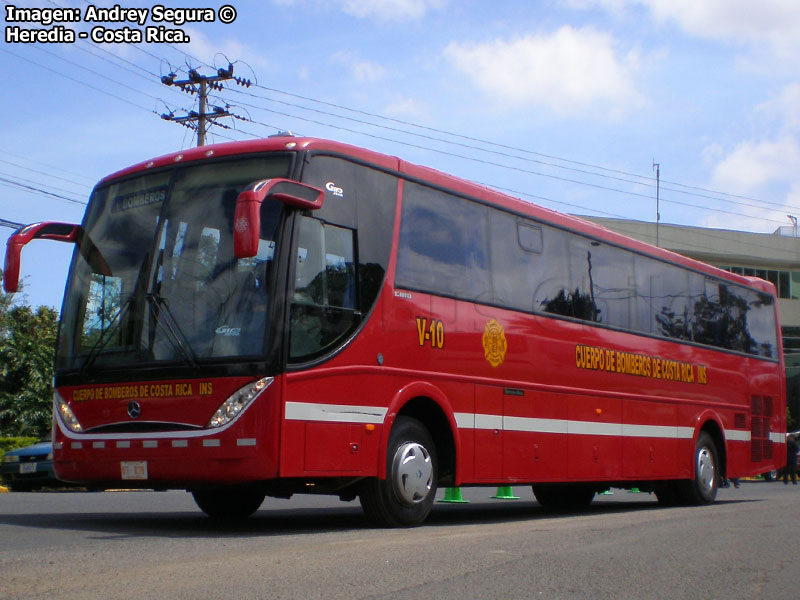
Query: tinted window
x=761 y=323
x=533 y=267
x=443 y=245
x=360 y=198
x=323 y=307
x=664 y=300
x=524 y=272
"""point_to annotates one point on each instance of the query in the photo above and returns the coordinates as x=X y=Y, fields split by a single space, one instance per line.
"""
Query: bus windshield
x=172 y=290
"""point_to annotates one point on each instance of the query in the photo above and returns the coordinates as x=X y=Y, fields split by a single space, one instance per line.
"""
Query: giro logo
x=229 y=331
x=333 y=189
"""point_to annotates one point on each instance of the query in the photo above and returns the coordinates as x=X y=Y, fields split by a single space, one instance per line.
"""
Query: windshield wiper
x=116 y=322
x=179 y=341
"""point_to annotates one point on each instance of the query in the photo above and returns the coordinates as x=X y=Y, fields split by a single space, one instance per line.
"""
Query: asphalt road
x=158 y=545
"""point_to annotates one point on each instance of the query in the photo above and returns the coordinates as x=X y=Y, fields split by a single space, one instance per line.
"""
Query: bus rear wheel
x=233 y=504
x=702 y=489
x=405 y=497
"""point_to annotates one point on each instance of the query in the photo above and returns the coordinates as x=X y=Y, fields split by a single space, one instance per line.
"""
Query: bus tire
x=405 y=497
x=232 y=504
x=702 y=488
x=563 y=497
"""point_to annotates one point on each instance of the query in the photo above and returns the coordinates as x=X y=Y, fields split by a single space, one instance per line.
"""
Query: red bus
x=294 y=315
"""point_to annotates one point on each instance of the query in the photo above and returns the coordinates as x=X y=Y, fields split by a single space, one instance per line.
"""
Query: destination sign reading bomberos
x=596 y=358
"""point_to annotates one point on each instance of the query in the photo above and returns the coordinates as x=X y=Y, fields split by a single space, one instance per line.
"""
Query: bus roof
x=440 y=179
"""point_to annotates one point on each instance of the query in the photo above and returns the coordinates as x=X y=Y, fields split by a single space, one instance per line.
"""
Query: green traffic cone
x=505 y=492
x=453 y=496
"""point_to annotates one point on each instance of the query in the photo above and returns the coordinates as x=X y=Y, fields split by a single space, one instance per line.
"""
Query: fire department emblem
x=494 y=343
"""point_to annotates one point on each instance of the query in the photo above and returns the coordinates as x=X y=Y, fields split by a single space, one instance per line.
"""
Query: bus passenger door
x=488 y=432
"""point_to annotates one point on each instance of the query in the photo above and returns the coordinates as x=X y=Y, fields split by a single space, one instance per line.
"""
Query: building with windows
x=774 y=257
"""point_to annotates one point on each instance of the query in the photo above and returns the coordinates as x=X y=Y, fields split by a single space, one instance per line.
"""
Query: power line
x=24 y=180
x=646 y=180
x=11 y=224
x=38 y=190
x=503 y=166
x=83 y=83
x=98 y=74
x=6 y=152
x=639 y=179
x=50 y=175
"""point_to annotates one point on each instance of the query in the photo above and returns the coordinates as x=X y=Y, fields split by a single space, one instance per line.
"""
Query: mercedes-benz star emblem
x=134 y=409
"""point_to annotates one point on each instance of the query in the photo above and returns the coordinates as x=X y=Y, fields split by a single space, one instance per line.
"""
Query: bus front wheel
x=405 y=497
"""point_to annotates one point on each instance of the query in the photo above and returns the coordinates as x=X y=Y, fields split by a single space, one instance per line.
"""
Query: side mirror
x=60 y=232
x=247 y=219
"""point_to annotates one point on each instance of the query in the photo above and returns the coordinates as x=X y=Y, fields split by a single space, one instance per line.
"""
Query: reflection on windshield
x=193 y=300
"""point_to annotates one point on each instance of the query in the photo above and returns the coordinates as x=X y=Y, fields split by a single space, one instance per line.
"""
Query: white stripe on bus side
x=306 y=411
x=303 y=411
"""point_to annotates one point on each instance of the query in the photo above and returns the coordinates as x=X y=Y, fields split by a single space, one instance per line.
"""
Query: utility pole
x=199 y=84
x=657 y=167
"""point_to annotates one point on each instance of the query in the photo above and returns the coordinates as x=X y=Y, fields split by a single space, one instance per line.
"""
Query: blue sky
x=566 y=103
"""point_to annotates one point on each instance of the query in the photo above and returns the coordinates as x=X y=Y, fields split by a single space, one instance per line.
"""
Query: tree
x=27 y=347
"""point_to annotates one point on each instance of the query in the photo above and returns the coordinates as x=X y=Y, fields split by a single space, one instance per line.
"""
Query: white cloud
x=771 y=158
x=391 y=10
x=569 y=71
x=784 y=109
x=774 y=24
x=753 y=165
x=731 y=19
x=363 y=71
x=766 y=170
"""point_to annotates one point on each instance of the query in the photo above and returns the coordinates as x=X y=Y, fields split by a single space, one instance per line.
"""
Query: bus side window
x=323 y=307
x=443 y=246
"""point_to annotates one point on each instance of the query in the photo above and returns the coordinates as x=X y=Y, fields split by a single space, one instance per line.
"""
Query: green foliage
x=27 y=346
x=792 y=423
x=12 y=443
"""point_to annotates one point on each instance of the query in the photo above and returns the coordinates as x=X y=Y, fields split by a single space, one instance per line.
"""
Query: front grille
x=142 y=427
x=33 y=458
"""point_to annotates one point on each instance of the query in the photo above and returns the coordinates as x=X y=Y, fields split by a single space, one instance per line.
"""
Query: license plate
x=27 y=468
x=134 y=469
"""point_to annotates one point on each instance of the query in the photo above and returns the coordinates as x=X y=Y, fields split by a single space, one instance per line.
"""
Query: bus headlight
x=239 y=400
x=62 y=409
